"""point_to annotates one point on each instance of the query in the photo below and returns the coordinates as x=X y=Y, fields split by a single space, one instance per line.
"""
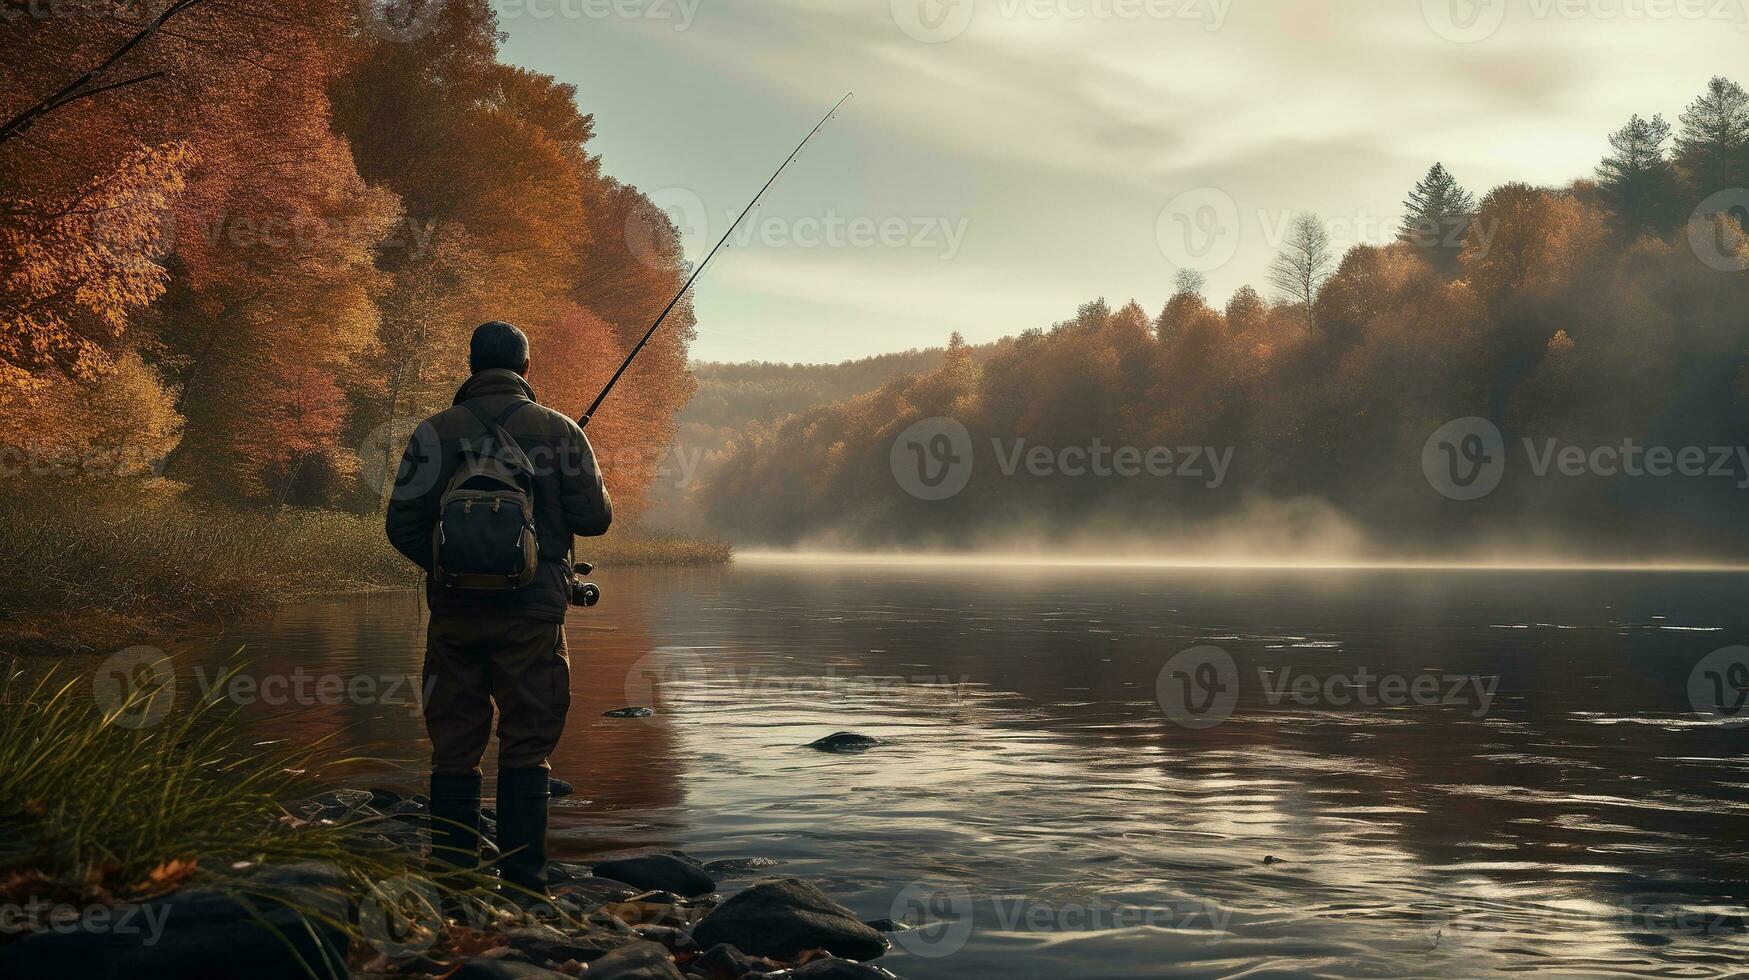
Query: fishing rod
x=584 y=421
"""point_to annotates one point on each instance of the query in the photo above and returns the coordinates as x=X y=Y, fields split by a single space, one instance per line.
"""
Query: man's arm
x=588 y=508
x=414 y=502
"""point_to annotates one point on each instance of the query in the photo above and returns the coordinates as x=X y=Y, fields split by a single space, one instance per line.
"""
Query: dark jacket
x=569 y=497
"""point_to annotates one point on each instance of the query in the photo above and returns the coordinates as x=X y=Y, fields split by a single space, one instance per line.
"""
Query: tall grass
x=96 y=804
x=85 y=796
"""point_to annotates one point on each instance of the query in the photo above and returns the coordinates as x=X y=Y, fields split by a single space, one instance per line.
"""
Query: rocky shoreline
x=652 y=915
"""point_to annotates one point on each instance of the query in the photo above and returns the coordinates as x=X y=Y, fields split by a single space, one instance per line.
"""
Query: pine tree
x=1712 y=151
x=1636 y=178
x=1436 y=214
x=1304 y=261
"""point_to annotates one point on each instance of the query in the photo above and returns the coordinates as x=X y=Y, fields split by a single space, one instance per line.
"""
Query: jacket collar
x=496 y=381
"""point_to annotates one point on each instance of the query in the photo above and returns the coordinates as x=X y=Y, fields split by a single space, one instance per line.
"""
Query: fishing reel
x=583 y=593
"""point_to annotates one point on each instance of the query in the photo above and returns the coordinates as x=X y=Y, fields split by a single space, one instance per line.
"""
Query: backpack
x=485 y=538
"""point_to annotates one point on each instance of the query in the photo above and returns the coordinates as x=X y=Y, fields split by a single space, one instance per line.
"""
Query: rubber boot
x=455 y=822
x=522 y=831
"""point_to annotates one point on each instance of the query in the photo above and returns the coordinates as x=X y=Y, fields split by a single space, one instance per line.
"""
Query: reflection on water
x=1033 y=796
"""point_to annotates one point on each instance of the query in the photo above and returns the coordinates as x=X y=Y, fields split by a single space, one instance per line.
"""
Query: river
x=1386 y=772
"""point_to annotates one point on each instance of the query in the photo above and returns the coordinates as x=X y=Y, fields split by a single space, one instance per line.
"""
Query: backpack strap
x=495 y=428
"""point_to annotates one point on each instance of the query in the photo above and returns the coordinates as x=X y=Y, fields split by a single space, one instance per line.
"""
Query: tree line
x=1611 y=309
x=245 y=246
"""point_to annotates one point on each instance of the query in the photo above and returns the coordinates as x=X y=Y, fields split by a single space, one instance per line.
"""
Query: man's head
x=498 y=345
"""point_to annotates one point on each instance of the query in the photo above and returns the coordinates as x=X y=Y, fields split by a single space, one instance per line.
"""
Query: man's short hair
x=497 y=345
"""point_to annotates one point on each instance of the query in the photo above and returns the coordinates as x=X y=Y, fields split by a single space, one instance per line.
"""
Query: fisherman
x=487 y=498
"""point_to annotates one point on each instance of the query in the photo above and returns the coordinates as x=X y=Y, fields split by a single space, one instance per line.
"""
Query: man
x=505 y=646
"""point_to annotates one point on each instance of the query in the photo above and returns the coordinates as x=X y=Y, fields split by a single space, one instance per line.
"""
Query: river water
x=1415 y=773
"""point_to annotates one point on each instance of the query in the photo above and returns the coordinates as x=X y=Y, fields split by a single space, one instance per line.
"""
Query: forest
x=245 y=248
x=1614 y=308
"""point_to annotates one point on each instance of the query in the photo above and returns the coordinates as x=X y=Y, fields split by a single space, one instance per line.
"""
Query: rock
x=721 y=962
x=737 y=866
x=844 y=742
x=544 y=944
x=831 y=968
x=658 y=871
x=636 y=961
x=632 y=712
x=675 y=941
x=202 y=934
x=558 y=787
x=588 y=893
x=780 y=917
x=490 y=967
x=1269 y=859
x=886 y=925
x=383 y=800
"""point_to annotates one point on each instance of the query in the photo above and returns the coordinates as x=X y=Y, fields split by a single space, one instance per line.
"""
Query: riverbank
x=93 y=569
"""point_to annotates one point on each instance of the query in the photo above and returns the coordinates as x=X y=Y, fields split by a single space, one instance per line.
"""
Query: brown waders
x=472 y=663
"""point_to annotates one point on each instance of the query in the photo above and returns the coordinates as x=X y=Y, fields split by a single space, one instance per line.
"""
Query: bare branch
x=84 y=85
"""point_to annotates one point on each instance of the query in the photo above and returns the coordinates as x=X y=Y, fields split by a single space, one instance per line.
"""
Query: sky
x=1005 y=161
